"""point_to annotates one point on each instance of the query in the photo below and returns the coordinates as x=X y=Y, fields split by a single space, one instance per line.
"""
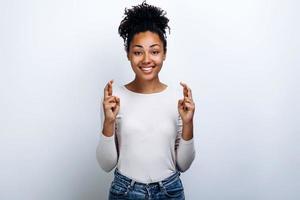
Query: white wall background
x=241 y=58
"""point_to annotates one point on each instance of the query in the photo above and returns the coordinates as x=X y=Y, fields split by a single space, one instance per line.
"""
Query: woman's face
x=146 y=55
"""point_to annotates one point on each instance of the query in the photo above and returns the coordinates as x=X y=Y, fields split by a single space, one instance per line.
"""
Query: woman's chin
x=147 y=77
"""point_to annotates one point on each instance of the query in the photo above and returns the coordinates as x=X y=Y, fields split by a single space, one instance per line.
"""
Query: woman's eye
x=137 y=53
x=155 y=52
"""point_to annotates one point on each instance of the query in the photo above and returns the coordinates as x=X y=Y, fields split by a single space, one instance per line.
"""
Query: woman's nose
x=146 y=58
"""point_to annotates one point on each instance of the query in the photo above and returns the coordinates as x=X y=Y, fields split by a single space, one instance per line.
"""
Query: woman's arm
x=107 y=154
x=107 y=150
x=185 y=150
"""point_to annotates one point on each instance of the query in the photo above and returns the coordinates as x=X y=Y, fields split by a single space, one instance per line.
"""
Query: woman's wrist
x=108 y=127
x=188 y=124
x=187 y=130
x=109 y=122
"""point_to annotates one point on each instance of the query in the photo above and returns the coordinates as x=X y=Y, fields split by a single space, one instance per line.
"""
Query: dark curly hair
x=141 y=18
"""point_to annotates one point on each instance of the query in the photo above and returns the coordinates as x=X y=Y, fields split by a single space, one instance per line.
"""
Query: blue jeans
x=123 y=187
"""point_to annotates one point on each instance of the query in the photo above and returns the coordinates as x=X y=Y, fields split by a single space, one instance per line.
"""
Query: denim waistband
x=130 y=181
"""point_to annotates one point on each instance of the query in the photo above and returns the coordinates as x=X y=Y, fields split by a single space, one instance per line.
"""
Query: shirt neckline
x=145 y=94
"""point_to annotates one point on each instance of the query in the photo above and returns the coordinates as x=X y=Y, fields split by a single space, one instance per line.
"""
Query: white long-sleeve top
x=147 y=145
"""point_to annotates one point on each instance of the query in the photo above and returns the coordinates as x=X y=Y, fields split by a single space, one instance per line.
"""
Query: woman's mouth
x=147 y=70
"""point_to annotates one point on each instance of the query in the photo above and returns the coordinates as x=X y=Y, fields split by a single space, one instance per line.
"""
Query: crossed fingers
x=187 y=101
x=187 y=92
x=108 y=89
x=110 y=101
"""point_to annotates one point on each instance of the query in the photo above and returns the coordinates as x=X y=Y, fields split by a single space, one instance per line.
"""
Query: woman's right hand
x=111 y=104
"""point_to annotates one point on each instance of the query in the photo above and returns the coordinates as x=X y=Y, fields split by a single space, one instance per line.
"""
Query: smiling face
x=146 y=55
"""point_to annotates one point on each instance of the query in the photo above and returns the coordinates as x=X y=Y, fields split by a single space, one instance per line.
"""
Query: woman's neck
x=146 y=87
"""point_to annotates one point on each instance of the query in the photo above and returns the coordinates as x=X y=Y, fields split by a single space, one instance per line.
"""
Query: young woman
x=147 y=126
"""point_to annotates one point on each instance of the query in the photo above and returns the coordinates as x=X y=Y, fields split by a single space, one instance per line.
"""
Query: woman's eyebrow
x=137 y=45
x=154 y=45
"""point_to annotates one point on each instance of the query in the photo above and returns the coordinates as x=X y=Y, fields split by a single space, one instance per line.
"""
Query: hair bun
x=143 y=15
x=146 y=13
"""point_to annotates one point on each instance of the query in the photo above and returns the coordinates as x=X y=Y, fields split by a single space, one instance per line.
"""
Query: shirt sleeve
x=185 y=150
x=106 y=152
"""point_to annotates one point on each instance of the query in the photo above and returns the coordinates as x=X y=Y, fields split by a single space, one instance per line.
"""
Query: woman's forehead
x=146 y=39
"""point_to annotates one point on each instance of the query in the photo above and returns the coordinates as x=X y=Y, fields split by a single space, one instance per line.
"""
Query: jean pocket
x=174 y=190
x=118 y=189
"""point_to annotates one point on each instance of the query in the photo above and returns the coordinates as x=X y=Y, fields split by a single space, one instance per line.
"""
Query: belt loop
x=132 y=183
x=161 y=184
x=129 y=187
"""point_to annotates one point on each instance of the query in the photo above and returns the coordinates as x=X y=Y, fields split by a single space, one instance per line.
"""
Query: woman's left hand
x=186 y=106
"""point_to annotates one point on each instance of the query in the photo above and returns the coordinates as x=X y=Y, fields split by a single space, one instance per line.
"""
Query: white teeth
x=147 y=69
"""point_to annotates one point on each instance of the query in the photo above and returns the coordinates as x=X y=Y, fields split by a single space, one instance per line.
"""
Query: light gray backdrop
x=241 y=59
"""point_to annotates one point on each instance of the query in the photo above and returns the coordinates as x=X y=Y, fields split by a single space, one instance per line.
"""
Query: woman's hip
x=123 y=187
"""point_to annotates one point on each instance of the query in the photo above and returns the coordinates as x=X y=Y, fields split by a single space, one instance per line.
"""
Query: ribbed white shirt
x=147 y=145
